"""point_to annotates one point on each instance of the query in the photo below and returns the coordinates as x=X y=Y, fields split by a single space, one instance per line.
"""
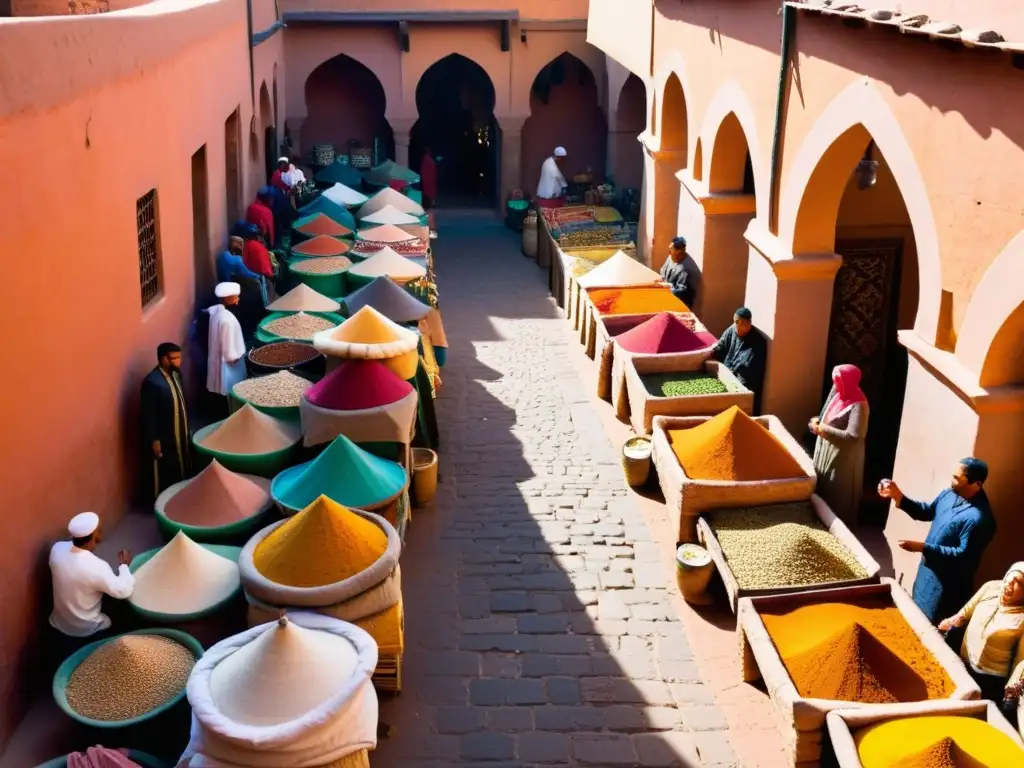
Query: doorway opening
x=455 y=100
x=270 y=148
x=233 y=166
x=627 y=169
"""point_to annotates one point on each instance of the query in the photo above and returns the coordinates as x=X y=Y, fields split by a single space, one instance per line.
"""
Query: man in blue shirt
x=962 y=525
x=230 y=266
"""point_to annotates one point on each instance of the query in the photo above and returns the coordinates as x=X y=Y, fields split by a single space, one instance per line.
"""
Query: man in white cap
x=552 y=185
x=80 y=580
x=226 y=362
x=277 y=179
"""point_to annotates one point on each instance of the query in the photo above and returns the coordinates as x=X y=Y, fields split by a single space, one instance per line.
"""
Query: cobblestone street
x=539 y=629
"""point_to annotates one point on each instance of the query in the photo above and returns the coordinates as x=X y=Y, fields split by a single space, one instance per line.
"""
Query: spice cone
x=184 y=578
x=663 y=334
x=368 y=326
x=620 y=269
x=250 y=431
x=285 y=673
x=357 y=385
x=388 y=298
x=302 y=298
x=389 y=215
x=320 y=224
x=321 y=245
x=215 y=497
x=388 y=262
x=942 y=754
x=388 y=196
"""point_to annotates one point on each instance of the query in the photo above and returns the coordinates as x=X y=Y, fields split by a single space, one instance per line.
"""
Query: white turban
x=83 y=524
x=283 y=160
x=560 y=152
x=223 y=290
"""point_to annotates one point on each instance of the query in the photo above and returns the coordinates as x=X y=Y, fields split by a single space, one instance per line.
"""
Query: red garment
x=428 y=177
x=257 y=258
x=554 y=202
x=277 y=181
x=846 y=378
x=260 y=215
x=398 y=185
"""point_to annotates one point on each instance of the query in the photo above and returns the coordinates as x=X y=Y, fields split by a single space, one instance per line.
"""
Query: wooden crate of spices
x=645 y=405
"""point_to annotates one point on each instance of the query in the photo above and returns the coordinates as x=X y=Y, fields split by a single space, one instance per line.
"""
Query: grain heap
x=278 y=390
x=323 y=544
x=385 y=233
x=320 y=225
x=300 y=325
x=283 y=354
x=732 y=447
x=329 y=265
x=217 y=496
x=862 y=651
x=936 y=741
x=248 y=431
x=636 y=300
x=664 y=333
x=344 y=195
x=782 y=545
x=302 y=298
x=389 y=215
x=129 y=676
x=619 y=270
x=388 y=298
x=320 y=245
x=184 y=578
x=386 y=262
x=369 y=335
x=395 y=199
x=683 y=384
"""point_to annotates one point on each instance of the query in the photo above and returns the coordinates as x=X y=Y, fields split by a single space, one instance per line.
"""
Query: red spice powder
x=322 y=245
x=356 y=385
x=324 y=225
x=662 y=334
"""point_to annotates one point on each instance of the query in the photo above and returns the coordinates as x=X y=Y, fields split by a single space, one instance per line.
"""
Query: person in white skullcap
x=80 y=580
x=277 y=179
x=552 y=185
x=226 y=362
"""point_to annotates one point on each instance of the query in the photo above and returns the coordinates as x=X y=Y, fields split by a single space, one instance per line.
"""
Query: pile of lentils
x=278 y=390
x=327 y=265
x=590 y=236
x=683 y=384
x=298 y=326
x=128 y=677
x=283 y=354
x=782 y=545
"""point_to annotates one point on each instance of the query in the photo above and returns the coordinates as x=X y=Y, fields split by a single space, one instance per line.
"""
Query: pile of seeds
x=329 y=265
x=298 y=326
x=782 y=545
x=278 y=390
x=282 y=354
x=412 y=247
x=129 y=677
x=591 y=236
x=683 y=384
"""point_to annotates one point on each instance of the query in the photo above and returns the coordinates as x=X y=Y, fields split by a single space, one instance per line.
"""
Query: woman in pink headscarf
x=841 y=429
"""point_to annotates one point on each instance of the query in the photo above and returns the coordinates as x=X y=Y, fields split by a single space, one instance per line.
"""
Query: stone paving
x=538 y=625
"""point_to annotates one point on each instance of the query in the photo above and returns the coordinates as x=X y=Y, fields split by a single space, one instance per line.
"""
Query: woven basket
x=800 y=720
x=636 y=468
x=323 y=155
x=686 y=498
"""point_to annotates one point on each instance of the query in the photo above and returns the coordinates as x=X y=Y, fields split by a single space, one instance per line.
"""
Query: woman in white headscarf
x=993 y=644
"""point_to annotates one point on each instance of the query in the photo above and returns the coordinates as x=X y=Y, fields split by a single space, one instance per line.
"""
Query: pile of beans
x=683 y=384
x=278 y=390
x=591 y=236
x=782 y=545
x=298 y=326
x=129 y=677
x=283 y=354
x=328 y=265
x=413 y=247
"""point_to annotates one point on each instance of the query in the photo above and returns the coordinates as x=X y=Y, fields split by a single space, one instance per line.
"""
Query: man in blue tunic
x=962 y=525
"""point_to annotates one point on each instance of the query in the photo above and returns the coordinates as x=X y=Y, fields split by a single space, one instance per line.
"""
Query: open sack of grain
x=291 y=692
x=727 y=460
x=927 y=733
x=844 y=648
x=657 y=385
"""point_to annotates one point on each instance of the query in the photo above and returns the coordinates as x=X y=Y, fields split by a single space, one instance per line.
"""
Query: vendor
x=277 y=179
x=962 y=525
x=551 y=189
x=743 y=350
x=226 y=362
x=676 y=272
x=80 y=580
x=993 y=645
x=166 y=438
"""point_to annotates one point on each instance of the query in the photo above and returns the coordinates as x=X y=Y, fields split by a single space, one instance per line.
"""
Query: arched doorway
x=875 y=292
x=269 y=132
x=565 y=110
x=455 y=101
x=627 y=170
x=346 y=107
x=659 y=226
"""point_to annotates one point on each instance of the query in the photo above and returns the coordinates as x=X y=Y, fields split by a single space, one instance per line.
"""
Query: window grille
x=149 y=267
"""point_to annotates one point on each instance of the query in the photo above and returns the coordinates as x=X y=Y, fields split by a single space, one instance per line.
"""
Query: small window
x=149 y=263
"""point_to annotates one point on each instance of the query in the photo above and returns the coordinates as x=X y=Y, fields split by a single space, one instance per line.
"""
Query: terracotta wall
x=344 y=100
x=528 y=9
x=98 y=111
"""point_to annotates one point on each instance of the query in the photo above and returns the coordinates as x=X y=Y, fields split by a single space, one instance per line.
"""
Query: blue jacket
x=960 y=531
x=230 y=266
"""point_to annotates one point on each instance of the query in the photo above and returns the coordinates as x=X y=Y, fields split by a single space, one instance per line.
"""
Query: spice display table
x=644 y=405
x=582 y=261
x=686 y=498
x=836 y=527
x=801 y=720
x=844 y=723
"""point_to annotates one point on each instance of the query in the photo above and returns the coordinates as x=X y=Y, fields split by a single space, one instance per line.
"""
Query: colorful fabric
x=846 y=379
x=260 y=215
x=257 y=258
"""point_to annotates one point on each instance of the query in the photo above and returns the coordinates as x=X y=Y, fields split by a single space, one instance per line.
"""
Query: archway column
x=715 y=225
x=662 y=202
x=511 y=169
x=401 y=128
x=791 y=300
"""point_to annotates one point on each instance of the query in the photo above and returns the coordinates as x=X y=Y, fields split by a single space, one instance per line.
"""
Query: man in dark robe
x=962 y=525
x=676 y=272
x=743 y=350
x=164 y=421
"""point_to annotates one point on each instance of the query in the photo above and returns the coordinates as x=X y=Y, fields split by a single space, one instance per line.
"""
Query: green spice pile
x=129 y=677
x=782 y=545
x=683 y=384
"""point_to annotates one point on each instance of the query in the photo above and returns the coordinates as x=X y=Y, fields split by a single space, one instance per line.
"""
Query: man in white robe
x=552 y=185
x=226 y=362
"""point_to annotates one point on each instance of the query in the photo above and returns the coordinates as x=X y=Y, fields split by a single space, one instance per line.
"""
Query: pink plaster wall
x=159 y=84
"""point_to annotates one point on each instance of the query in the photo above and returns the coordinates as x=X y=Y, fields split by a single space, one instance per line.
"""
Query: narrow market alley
x=540 y=629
